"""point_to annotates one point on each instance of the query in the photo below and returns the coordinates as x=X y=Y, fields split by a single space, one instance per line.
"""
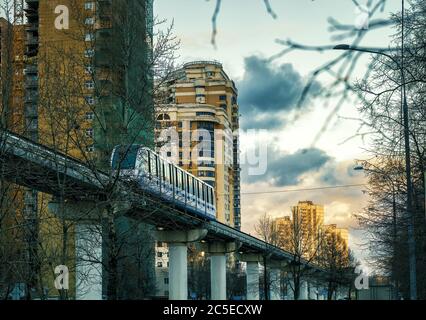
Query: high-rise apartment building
x=304 y=229
x=91 y=60
x=340 y=233
x=82 y=83
x=309 y=214
x=201 y=108
x=12 y=64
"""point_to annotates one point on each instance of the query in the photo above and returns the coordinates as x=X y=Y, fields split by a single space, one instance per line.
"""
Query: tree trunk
x=265 y=280
x=112 y=283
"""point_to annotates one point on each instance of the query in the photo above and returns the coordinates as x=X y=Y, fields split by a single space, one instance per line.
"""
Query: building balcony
x=32 y=41
x=31 y=83
x=32 y=27
x=31 y=112
x=32 y=98
x=30 y=69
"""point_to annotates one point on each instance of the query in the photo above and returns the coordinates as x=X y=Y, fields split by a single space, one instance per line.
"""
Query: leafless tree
x=385 y=218
x=266 y=229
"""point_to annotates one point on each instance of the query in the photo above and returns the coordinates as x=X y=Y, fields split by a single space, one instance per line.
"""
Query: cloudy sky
x=268 y=92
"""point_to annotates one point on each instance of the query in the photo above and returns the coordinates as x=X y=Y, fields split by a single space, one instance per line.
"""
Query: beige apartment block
x=200 y=106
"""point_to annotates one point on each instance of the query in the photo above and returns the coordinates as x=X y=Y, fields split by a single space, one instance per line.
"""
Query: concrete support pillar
x=178 y=259
x=290 y=290
x=303 y=293
x=218 y=276
x=218 y=251
x=312 y=291
x=88 y=248
x=275 y=284
x=252 y=271
x=178 y=271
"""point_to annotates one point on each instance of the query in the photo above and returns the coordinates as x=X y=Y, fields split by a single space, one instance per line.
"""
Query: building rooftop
x=211 y=62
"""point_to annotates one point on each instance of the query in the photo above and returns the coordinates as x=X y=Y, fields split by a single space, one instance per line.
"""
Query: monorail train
x=164 y=180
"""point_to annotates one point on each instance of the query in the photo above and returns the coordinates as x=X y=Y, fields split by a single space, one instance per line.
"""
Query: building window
x=163 y=117
x=89 y=21
x=224 y=106
x=89 y=132
x=159 y=264
x=89 y=5
x=166 y=280
x=159 y=254
x=89 y=84
x=88 y=69
x=90 y=100
x=222 y=98
x=88 y=53
x=211 y=183
x=89 y=37
x=90 y=116
x=206 y=174
x=159 y=244
x=202 y=113
x=210 y=74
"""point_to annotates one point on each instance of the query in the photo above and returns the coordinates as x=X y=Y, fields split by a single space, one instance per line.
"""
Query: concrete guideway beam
x=181 y=236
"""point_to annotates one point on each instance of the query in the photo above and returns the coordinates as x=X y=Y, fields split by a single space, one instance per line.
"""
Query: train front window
x=125 y=157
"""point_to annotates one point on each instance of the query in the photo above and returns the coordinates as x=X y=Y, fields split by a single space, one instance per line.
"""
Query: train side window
x=203 y=191
x=187 y=183
x=176 y=177
x=182 y=179
x=144 y=161
x=164 y=171
x=149 y=164
x=157 y=169
x=170 y=174
x=179 y=182
x=211 y=196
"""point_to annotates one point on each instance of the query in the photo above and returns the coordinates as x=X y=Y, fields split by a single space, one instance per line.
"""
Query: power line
x=305 y=189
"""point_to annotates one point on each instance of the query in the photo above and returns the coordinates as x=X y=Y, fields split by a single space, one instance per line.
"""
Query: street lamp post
x=410 y=215
x=394 y=220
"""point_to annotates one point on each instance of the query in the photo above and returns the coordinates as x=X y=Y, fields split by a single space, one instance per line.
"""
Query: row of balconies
x=32 y=27
x=30 y=69
x=31 y=99
x=31 y=111
x=32 y=40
